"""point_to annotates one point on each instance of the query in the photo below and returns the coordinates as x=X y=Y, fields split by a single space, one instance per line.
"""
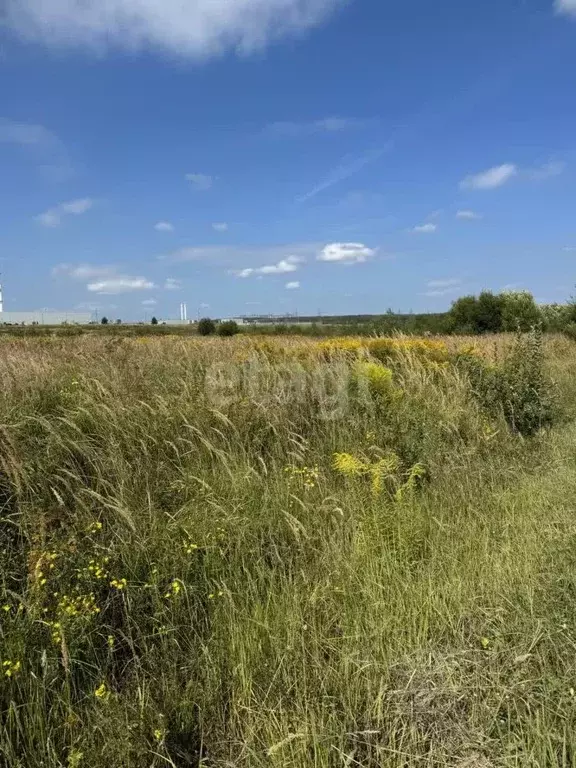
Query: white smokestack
x=185 y=312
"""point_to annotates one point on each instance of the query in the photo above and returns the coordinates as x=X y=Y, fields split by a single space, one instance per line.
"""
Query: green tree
x=154 y=321
x=206 y=326
x=519 y=311
x=482 y=314
x=104 y=321
x=464 y=314
x=489 y=313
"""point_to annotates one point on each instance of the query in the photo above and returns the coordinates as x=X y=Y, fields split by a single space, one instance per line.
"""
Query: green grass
x=222 y=596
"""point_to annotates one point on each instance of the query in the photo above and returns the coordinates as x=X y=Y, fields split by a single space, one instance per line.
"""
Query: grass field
x=274 y=553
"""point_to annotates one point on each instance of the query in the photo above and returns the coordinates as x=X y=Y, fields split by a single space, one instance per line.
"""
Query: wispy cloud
x=289 y=264
x=546 y=171
x=469 y=215
x=232 y=255
x=292 y=286
x=346 y=253
x=490 y=179
x=220 y=226
x=200 y=181
x=426 y=229
x=84 y=271
x=164 y=226
x=502 y=174
x=26 y=134
x=443 y=287
x=294 y=129
x=198 y=29
x=565 y=6
x=149 y=303
x=53 y=216
x=347 y=168
x=172 y=284
x=44 y=146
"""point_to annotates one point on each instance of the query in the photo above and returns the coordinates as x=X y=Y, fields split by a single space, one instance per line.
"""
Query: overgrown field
x=244 y=553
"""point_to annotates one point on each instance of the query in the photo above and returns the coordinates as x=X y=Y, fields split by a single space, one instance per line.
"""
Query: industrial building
x=42 y=318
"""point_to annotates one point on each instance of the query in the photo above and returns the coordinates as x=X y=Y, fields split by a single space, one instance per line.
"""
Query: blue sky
x=251 y=156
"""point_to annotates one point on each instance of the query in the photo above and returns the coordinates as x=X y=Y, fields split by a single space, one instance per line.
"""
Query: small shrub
x=518 y=388
x=228 y=328
x=206 y=326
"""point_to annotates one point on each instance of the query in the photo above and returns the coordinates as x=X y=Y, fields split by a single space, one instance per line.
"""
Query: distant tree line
x=488 y=312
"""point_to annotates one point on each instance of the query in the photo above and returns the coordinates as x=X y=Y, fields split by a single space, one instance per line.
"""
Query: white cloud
x=565 y=6
x=569 y=249
x=290 y=129
x=49 y=219
x=346 y=253
x=53 y=216
x=106 y=279
x=164 y=226
x=469 y=215
x=195 y=28
x=77 y=207
x=294 y=285
x=284 y=266
x=120 y=284
x=149 y=302
x=171 y=284
x=490 y=179
x=426 y=229
x=200 y=181
x=220 y=226
x=547 y=170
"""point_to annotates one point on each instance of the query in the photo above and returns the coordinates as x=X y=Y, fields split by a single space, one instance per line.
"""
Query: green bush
x=228 y=328
x=518 y=388
x=206 y=326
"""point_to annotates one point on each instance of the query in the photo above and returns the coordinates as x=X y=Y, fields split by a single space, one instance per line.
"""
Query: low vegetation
x=261 y=552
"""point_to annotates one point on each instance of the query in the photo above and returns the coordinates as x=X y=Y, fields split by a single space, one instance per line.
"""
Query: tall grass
x=189 y=577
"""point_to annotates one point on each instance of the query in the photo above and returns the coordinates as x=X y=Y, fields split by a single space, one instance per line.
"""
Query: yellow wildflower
x=173 y=589
x=10 y=668
x=349 y=465
x=119 y=584
x=102 y=691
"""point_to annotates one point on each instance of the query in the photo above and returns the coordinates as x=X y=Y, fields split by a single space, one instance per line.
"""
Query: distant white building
x=45 y=318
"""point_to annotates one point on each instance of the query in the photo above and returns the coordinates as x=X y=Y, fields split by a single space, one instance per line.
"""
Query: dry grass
x=186 y=579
